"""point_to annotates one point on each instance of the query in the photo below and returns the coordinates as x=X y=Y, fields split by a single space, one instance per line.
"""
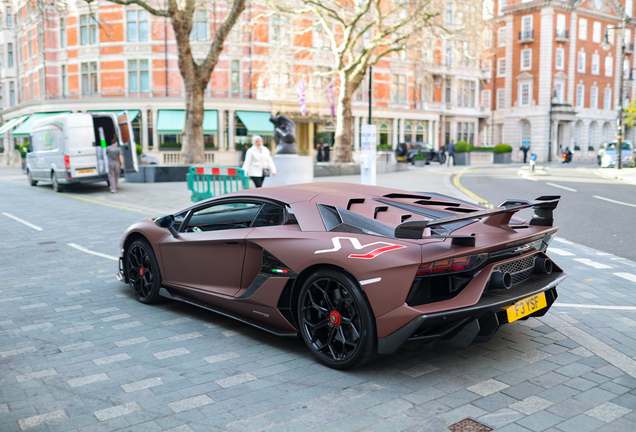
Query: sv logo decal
x=356 y=244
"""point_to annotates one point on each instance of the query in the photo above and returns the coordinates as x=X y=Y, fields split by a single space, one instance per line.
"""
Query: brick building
x=110 y=57
x=548 y=58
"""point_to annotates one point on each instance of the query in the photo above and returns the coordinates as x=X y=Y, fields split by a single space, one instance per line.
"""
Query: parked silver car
x=608 y=158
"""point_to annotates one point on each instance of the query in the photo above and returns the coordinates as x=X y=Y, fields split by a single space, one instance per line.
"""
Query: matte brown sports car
x=355 y=270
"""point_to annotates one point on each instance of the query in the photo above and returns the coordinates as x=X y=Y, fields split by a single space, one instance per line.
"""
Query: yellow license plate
x=526 y=307
x=86 y=171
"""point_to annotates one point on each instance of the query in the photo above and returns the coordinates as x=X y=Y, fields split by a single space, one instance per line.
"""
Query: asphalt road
x=593 y=211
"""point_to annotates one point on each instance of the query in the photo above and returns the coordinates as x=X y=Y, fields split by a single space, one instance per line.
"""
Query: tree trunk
x=344 y=126
x=192 y=147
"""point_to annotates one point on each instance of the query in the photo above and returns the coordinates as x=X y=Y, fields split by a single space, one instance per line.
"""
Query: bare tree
x=360 y=34
x=195 y=76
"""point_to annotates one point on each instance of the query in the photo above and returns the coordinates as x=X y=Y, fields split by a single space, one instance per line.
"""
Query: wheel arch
x=132 y=237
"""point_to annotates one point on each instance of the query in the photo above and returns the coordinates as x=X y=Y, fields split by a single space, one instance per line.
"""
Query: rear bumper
x=63 y=179
x=477 y=323
x=120 y=271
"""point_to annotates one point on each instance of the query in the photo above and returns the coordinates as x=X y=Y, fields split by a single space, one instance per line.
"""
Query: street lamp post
x=552 y=98
x=606 y=45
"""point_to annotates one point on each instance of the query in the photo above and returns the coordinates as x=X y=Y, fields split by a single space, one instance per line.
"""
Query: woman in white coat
x=258 y=161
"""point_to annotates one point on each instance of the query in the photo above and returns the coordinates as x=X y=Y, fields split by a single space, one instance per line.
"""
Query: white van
x=69 y=148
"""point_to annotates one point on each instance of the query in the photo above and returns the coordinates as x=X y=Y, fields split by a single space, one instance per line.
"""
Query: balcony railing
x=562 y=35
x=526 y=36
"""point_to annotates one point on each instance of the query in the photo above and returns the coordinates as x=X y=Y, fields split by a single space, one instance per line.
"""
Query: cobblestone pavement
x=78 y=353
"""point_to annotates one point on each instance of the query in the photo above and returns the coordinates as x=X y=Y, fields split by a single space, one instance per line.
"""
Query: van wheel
x=57 y=187
x=30 y=177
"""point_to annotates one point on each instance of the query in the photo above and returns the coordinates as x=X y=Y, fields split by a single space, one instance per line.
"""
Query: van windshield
x=81 y=137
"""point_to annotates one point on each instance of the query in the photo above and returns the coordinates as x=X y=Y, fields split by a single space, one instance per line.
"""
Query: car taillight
x=67 y=162
x=451 y=265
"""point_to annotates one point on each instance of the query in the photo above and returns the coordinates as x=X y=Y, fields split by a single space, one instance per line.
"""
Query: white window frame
x=138 y=71
x=91 y=29
x=200 y=16
x=559 y=90
x=580 y=96
x=607 y=98
x=596 y=32
x=501 y=67
x=582 y=29
x=134 y=32
x=502 y=5
x=581 y=59
x=526 y=59
x=609 y=66
x=526 y=24
x=596 y=64
x=501 y=98
x=629 y=7
x=559 y=62
x=521 y=91
x=594 y=97
x=93 y=78
x=501 y=36
x=560 y=23
x=485 y=99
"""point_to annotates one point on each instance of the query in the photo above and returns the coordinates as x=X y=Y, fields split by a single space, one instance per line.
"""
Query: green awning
x=256 y=122
x=132 y=113
x=24 y=130
x=172 y=122
x=11 y=124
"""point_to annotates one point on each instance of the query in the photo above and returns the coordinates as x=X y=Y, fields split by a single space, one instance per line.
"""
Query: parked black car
x=407 y=151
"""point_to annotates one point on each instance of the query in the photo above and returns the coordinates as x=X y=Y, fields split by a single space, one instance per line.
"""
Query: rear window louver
x=353 y=201
x=340 y=220
x=436 y=203
x=406 y=196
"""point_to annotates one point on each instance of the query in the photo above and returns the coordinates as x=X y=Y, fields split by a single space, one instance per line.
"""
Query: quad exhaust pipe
x=542 y=266
x=500 y=280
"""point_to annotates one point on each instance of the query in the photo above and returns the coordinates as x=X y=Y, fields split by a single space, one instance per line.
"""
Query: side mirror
x=168 y=223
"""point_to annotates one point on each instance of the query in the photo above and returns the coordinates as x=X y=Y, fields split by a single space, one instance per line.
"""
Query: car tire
x=336 y=320
x=142 y=272
x=57 y=187
x=30 y=178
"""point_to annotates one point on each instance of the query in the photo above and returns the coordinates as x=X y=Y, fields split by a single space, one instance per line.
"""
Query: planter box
x=502 y=158
x=462 y=158
x=419 y=163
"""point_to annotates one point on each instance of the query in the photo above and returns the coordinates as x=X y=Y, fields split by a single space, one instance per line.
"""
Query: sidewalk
x=627 y=175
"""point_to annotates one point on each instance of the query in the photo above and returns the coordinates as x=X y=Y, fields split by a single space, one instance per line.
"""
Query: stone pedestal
x=291 y=169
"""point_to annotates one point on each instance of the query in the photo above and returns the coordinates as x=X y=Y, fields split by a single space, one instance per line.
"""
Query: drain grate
x=469 y=425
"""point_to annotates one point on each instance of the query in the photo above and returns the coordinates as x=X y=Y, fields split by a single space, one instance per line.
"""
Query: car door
x=129 y=147
x=208 y=255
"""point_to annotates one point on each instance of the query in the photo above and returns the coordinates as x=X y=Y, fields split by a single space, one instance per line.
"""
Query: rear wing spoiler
x=543 y=216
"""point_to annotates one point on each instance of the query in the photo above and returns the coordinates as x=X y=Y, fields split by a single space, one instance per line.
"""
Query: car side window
x=226 y=216
x=270 y=215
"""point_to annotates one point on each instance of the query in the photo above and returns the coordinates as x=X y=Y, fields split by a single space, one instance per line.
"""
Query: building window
x=577 y=136
x=524 y=90
x=590 y=136
x=466 y=93
x=487 y=67
x=501 y=67
x=11 y=93
x=560 y=25
x=449 y=13
x=449 y=53
x=137 y=26
x=399 y=88
x=580 y=95
x=235 y=78
x=626 y=68
x=582 y=29
x=526 y=59
x=629 y=6
x=62 y=32
x=502 y=6
x=88 y=30
x=609 y=63
x=558 y=92
x=594 y=97
x=596 y=32
x=560 y=59
x=596 y=64
x=525 y=134
x=610 y=34
x=89 y=78
x=447 y=90
x=580 y=62
x=31 y=87
x=320 y=38
x=199 y=30
x=138 y=78
x=10 y=54
x=501 y=36
x=9 y=18
x=30 y=52
x=64 y=81
x=526 y=27
x=501 y=98
x=279 y=30
x=485 y=99
x=607 y=98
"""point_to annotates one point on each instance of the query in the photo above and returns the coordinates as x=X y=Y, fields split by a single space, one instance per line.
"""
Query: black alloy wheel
x=142 y=272
x=30 y=178
x=336 y=320
x=57 y=187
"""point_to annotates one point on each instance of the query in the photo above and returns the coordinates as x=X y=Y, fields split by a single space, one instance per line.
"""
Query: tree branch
x=143 y=4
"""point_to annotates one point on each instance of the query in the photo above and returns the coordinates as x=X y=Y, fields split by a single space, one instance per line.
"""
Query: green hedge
x=463 y=147
x=482 y=149
x=502 y=148
x=382 y=147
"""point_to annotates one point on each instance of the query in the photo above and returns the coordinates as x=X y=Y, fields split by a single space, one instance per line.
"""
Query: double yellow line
x=459 y=186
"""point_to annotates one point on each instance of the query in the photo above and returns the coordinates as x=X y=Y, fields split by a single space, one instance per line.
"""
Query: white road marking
x=628 y=276
x=35 y=227
x=370 y=281
x=561 y=187
x=603 y=253
x=560 y=252
x=526 y=176
x=83 y=249
x=591 y=263
x=562 y=240
x=582 y=306
x=614 y=201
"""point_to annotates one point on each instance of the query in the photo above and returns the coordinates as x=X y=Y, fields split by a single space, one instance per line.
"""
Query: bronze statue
x=284 y=134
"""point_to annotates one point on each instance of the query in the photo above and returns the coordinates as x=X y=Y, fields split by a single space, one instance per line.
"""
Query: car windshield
x=627 y=145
